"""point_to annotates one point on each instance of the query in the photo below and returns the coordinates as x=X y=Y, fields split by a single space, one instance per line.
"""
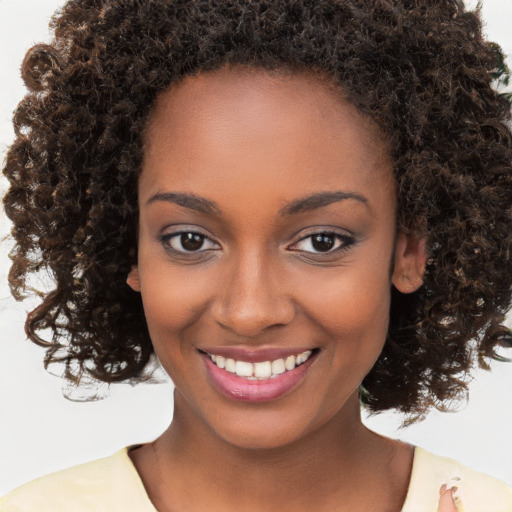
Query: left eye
x=324 y=242
x=188 y=241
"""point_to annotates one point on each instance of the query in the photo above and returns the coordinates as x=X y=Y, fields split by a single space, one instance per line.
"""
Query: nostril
x=250 y=320
x=250 y=298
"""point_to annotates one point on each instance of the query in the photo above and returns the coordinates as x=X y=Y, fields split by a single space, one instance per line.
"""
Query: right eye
x=188 y=242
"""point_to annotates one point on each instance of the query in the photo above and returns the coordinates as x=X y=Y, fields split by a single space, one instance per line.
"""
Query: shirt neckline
x=409 y=498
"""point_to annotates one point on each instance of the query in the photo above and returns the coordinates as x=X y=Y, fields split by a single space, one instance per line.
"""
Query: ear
x=410 y=260
x=133 y=280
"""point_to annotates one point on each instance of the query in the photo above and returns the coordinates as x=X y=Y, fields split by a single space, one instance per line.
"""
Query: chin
x=258 y=438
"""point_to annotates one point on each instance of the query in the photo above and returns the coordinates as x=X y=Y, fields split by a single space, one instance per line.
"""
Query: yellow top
x=112 y=484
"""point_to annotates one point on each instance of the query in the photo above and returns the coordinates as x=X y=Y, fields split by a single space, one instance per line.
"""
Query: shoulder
x=110 y=484
x=477 y=491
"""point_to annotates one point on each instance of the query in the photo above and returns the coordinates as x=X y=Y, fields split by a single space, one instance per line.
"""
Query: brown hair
x=419 y=68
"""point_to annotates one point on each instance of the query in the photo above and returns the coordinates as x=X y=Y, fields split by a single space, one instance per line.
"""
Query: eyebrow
x=319 y=200
x=301 y=205
x=190 y=201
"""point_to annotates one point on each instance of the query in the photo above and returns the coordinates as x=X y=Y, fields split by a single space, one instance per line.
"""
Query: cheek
x=173 y=298
x=172 y=307
x=353 y=314
x=349 y=301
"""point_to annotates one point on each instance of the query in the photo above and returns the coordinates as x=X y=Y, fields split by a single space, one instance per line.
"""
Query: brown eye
x=191 y=241
x=188 y=242
x=323 y=242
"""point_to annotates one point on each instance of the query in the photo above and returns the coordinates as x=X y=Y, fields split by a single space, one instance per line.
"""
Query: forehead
x=295 y=128
x=252 y=94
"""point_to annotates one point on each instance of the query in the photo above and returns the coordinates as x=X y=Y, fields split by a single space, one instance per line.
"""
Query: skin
x=255 y=143
x=447 y=500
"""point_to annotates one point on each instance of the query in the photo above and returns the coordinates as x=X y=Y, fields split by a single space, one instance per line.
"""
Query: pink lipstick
x=253 y=377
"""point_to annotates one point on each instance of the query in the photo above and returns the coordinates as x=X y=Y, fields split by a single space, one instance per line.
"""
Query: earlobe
x=133 y=280
x=410 y=260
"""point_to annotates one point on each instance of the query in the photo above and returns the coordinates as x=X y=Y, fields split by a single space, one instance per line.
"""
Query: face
x=266 y=242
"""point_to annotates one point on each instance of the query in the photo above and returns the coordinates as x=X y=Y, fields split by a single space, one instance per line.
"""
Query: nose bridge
x=253 y=297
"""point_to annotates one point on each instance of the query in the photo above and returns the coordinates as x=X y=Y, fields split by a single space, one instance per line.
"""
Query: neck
x=343 y=462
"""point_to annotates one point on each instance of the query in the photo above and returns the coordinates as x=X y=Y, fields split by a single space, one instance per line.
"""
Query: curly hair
x=419 y=68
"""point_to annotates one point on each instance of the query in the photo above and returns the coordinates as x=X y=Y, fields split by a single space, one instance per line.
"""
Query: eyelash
x=166 y=241
x=342 y=242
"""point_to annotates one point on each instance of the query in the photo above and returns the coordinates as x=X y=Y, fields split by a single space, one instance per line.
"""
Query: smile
x=259 y=380
x=262 y=370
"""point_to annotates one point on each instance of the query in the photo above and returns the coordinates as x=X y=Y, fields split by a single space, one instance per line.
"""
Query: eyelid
x=177 y=231
x=347 y=239
x=171 y=232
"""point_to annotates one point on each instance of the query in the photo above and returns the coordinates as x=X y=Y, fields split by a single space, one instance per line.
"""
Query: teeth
x=278 y=366
x=243 y=369
x=263 y=370
x=230 y=366
x=289 y=363
x=302 y=358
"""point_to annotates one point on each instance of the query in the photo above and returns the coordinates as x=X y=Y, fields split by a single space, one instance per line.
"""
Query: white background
x=40 y=431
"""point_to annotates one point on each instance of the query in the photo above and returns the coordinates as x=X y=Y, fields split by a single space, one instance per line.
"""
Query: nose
x=252 y=297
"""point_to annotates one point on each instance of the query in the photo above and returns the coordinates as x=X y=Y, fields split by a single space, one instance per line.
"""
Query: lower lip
x=238 y=388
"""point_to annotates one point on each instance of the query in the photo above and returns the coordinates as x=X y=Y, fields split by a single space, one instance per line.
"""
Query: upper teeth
x=263 y=370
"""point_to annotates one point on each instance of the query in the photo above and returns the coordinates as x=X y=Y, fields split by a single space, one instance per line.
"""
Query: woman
x=297 y=206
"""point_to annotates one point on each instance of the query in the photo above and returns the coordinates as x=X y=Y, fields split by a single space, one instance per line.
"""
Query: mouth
x=257 y=381
x=262 y=370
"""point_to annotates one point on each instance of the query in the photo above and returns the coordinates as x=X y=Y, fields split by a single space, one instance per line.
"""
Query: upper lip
x=252 y=355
